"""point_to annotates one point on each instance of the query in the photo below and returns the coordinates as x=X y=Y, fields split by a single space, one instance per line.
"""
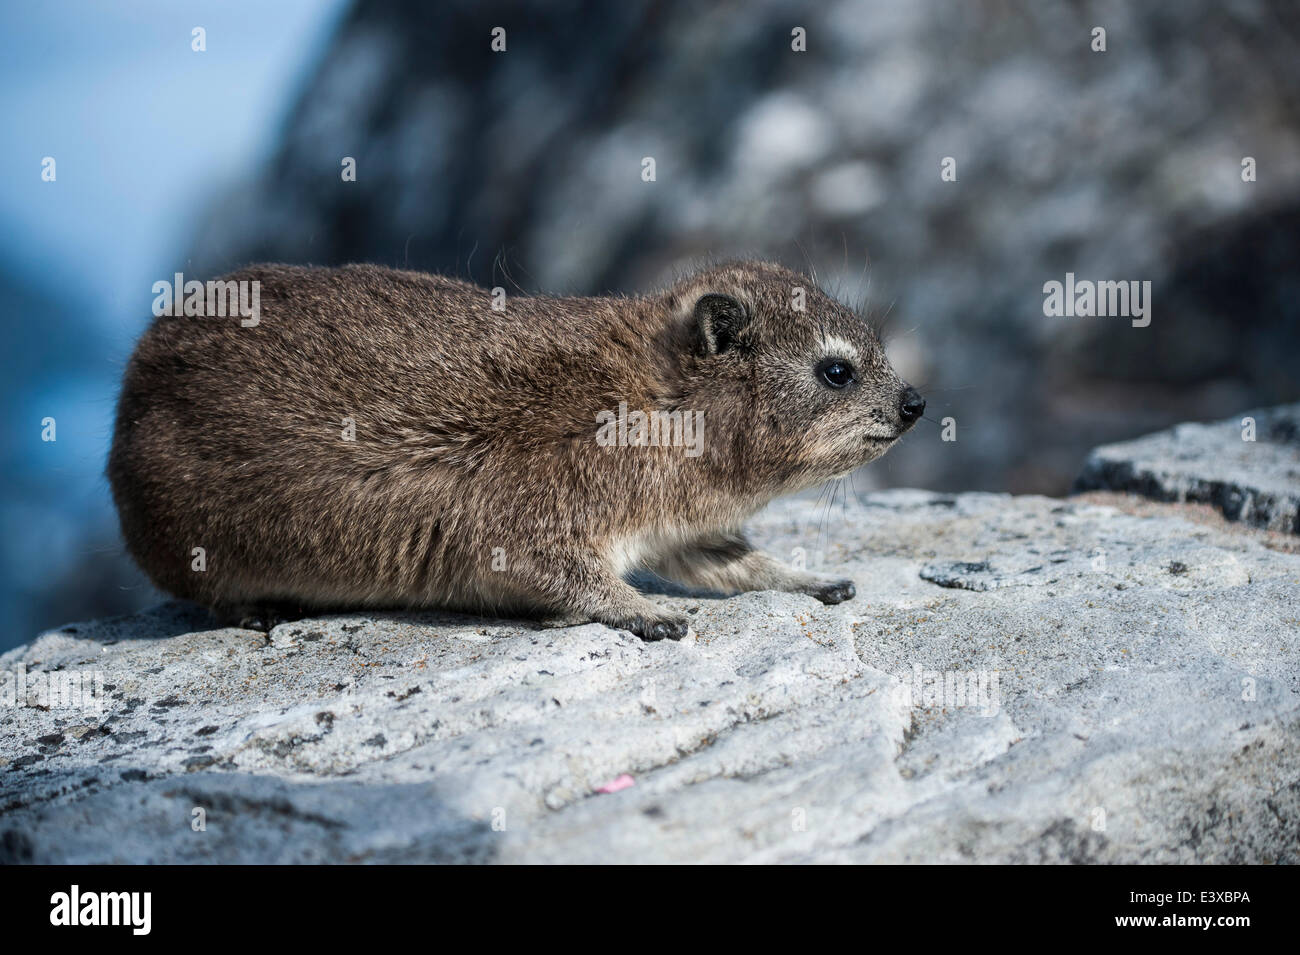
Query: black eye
x=836 y=373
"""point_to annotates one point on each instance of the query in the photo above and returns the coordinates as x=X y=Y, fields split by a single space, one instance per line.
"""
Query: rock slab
x=1020 y=679
x=1247 y=466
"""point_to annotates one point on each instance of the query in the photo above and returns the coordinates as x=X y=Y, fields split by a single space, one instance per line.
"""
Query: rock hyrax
x=390 y=439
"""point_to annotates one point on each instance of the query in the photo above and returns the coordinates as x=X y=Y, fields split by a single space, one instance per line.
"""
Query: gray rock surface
x=1255 y=480
x=1125 y=689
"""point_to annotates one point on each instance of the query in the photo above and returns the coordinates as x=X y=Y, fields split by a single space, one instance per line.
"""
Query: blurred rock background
x=1123 y=164
x=523 y=168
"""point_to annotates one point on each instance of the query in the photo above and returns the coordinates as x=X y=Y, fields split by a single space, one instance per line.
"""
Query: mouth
x=883 y=439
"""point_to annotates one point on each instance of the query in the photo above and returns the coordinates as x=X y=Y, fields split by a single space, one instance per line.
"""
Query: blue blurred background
x=142 y=129
x=524 y=167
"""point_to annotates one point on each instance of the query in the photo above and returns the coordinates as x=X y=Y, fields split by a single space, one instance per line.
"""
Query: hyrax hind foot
x=617 y=604
x=261 y=617
x=648 y=626
x=662 y=627
x=647 y=620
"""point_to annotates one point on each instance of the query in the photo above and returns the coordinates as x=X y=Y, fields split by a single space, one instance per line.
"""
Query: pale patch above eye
x=835 y=347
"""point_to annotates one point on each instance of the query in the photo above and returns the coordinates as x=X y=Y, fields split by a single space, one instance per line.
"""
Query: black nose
x=913 y=405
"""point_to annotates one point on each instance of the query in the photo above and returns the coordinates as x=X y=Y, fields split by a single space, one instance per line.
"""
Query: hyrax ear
x=719 y=320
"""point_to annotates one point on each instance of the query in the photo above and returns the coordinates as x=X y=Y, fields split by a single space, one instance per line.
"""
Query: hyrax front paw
x=830 y=590
x=652 y=628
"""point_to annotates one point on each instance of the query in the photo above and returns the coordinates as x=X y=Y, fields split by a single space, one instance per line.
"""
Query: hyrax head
x=819 y=391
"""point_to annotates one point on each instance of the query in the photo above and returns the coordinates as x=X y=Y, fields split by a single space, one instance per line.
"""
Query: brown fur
x=475 y=430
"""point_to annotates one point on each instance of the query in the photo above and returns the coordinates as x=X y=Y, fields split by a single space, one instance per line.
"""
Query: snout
x=911 y=406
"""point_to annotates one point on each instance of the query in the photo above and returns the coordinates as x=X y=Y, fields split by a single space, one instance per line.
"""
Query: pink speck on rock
x=614 y=785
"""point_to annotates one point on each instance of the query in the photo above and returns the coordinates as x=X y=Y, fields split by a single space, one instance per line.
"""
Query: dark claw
x=655 y=630
x=668 y=631
x=264 y=618
x=837 y=592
